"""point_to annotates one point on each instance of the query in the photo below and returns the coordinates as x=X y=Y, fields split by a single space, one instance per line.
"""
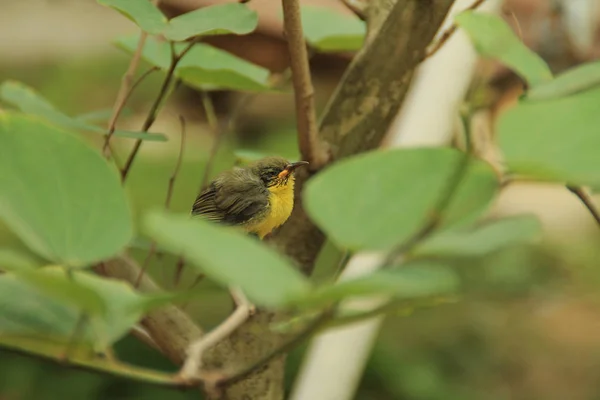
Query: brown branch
x=356 y=119
x=119 y=106
x=448 y=33
x=586 y=200
x=311 y=149
x=215 y=380
x=152 y=114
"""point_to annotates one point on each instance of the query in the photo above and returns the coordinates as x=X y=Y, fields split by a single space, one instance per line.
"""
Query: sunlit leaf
x=229 y=257
x=481 y=240
x=408 y=281
x=228 y=18
x=59 y=195
x=554 y=140
x=203 y=67
x=28 y=101
x=492 y=37
x=328 y=30
x=575 y=80
x=381 y=198
x=145 y=14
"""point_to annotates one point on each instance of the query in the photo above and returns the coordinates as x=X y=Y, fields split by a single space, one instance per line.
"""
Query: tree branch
x=356 y=120
x=170 y=328
x=586 y=200
x=365 y=103
x=306 y=117
x=152 y=114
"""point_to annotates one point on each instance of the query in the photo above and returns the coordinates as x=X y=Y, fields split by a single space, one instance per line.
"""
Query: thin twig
x=152 y=114
x=586 y=200
x=193 y=363
x=213 y=123
x=170 y=187
x=119 y=106
x=124 y=89
x=177 y=164
x=448 y=33
x=311 y=148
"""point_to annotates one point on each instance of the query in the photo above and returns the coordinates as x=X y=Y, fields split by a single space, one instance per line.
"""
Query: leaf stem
x=586 y=200
x=119 y=106
x=152 y=114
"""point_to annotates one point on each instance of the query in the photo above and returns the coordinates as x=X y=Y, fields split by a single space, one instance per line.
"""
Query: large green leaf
x=555 y=140
x=45 y=304
x=218 y=19
x=330 y=31
x=229 y=257
x=578 y=79
x=13 y=260
x=27 y=100
x=492 y=37
x=481 y=240
x=203 y=67
x=142 y=12
x=378 y=199
x=410 y=281
x=58 y=194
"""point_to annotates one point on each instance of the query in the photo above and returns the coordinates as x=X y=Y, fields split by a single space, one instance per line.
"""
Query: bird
x=258 y=197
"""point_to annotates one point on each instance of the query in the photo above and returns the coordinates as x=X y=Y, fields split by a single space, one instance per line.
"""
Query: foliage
x=65 y=201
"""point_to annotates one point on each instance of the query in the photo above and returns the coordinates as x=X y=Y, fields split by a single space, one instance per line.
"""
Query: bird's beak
x=289 y=169
x=292 y=166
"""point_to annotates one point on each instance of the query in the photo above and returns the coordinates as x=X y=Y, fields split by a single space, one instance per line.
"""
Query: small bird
x=258 y=197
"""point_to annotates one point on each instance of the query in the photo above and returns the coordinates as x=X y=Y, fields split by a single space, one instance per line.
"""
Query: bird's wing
x=233 y=198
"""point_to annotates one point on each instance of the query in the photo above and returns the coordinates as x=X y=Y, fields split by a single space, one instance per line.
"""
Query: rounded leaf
x=379 y=199
x=229 y=257
x=58 y=194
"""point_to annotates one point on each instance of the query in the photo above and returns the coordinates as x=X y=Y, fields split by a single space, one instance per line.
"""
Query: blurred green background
x=528 y=326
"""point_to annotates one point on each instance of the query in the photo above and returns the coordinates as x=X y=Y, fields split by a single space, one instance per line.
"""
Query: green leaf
x=492 y=37
x=381 y=198
x=59 y=195
x=47 y=315
x=409 y=281
x=327 y=30
x=229 y=18
x=204 y=67
x=555 y=140
x=145 y=15
x=54 y=282
x=481 y=240
x=575 y=80
x=12 y=260
x=229 y=257
x=101 y=115
x=28 y=101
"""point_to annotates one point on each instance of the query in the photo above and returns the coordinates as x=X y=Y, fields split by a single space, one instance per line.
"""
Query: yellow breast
x=281 y=201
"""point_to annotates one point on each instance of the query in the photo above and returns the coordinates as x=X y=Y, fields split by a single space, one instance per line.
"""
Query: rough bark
x=356 y=120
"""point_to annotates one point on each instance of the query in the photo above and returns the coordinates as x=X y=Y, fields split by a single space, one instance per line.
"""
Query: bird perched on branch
x=258 y=197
